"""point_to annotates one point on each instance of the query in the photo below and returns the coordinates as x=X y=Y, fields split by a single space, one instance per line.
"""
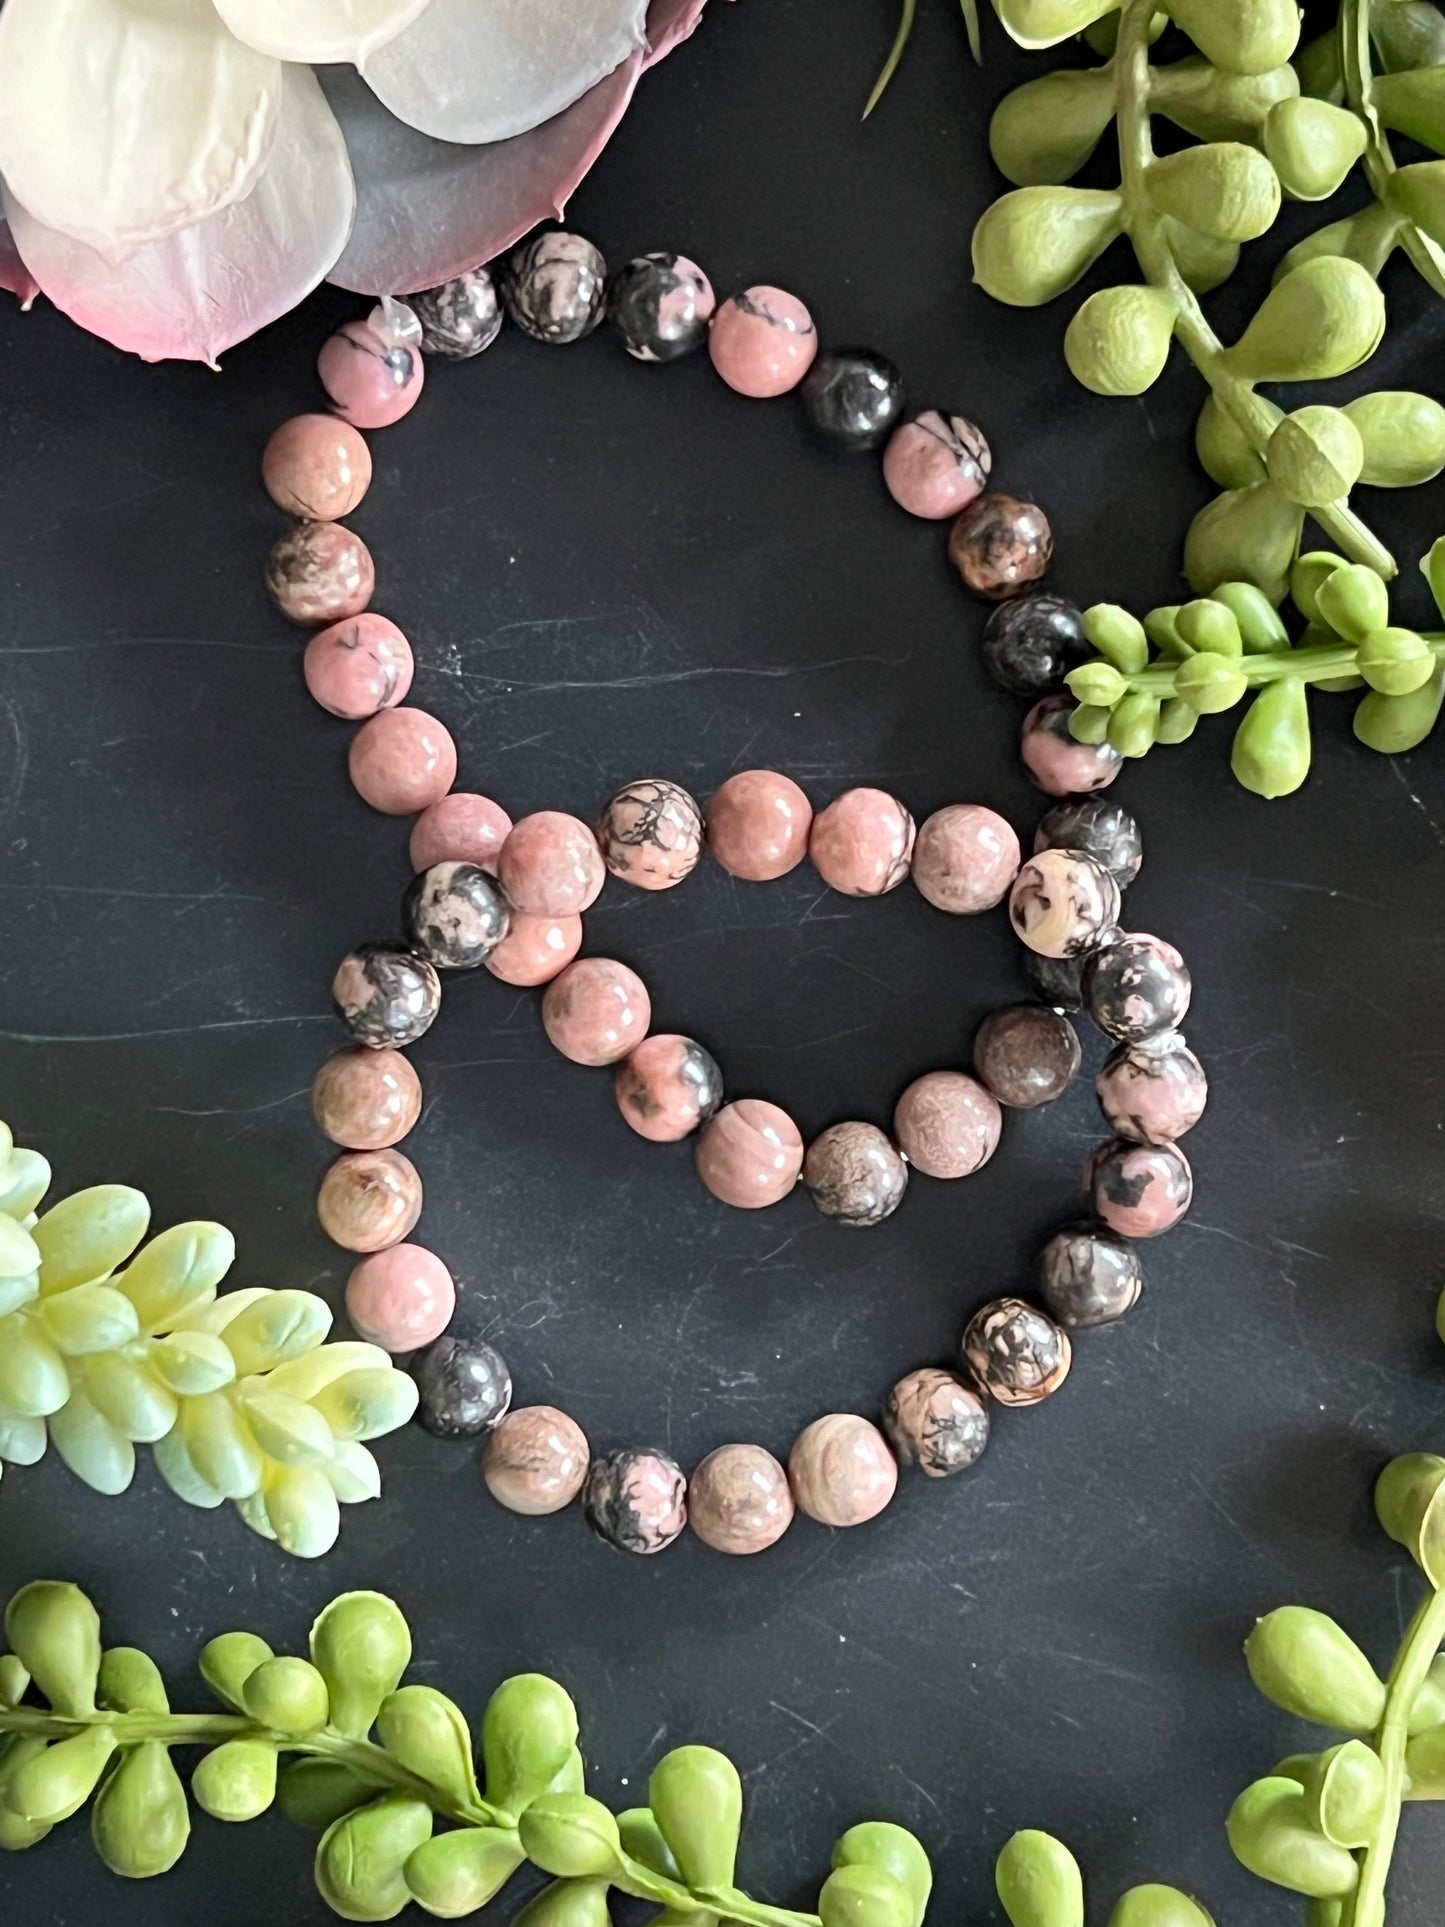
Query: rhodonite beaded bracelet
x=510 y=897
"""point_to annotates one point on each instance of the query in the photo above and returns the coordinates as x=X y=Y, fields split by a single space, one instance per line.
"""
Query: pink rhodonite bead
x=596 y=1011
x=651 y=834
x=935 y=465
x=762 y=342
x=750 y=1154
x=368 y=383
x=860 y=844
x=402 y=760
x=319 y=572
x=757 y=825
x=356 y=667
x=401 y=1298
x=316 y=467
x=965 y=858
x=460 y=828
x=667 y=1087
x=739 y=1500
x=550 y=865
x=947 y=1125
x=841 y=1470
x=535 y=949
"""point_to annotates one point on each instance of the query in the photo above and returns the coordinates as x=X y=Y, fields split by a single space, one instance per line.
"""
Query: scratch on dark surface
x=21 y=756
x=219 y=895
x=768 y=672
x=1224 y=1512
x=226 y=1110
x=145 y=642
x=1397 y=769
x=169 y=1030
x=1319 y=890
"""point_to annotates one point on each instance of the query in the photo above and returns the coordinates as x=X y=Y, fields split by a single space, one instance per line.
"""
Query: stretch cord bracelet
x=510 y=897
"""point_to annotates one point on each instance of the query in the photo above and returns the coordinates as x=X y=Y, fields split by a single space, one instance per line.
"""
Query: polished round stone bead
x=1100 y=828
x=1063 y=903
x=402 y=760
x=758 y=824
x=852 y=398
x=1136 y=986
x=1000 y=545
x=964 y=859
x=936 y=1422
x=464 y=1387
x=854 y=1174
x=550 y=865
x=667 y=1087
x=1056 y=979
x=651 y=834
x=369 y=1200
x=636 y=1500
x=359 y=666
x=947 y=1125
x=385 y=996
x=762 y=342
x=535 y=949
x=1030 y=643
x=739 y=1500
x=936 y=464
x=1027 y=1055
x=1152 y=1093
x=460 y=318
x=455 y=915
x=400 y=1298
x=460 y=828
x=841 y=1470
x=1140 y=1190
x=1015 y=1352
x=316 y=467
x=369 y=382
x=596 y=1011
x=319 y=572
x=365 y=1100
x=1057 y=761
x=750 y=1154
x=555 y=287
x=862 y=842
x=535 y=1460
x=661 y=305
x=1088 y=1275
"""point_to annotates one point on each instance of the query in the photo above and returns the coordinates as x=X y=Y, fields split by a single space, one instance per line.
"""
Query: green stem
x=1358 y=72
x=1252 y=414
x=1308 y=665
x=731 y=1903
x=1366 y=1905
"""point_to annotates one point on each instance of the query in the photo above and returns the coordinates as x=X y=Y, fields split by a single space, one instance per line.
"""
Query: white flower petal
x=197 y=293
x=119 y=123
x=481 y=70
x=318 y=30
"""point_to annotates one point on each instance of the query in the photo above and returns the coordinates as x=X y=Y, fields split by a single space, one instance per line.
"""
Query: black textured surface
x=611 y=571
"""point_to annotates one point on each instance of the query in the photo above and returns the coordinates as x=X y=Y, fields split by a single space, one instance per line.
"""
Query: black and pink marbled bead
x=1152 y=1093
x=386 y=997
x=1136 y=986
x=636 y=1500
x=455 y=915
x=1140 y=1190
x=555 y=287
x=1057 y=761
x=1089 y=1275
x=661 y=305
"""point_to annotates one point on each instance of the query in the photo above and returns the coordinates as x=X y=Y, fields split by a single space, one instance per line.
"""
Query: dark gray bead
x=1031 y=642
x=386 y=996
x=1089 y=1275
x=555 y=287
x=1100 y=828
x=1027 y=1055
x=1057 y=979
x=661 y=305
x=853 y=398
x=464 y=1387
x=455 y=915
x=460 y=318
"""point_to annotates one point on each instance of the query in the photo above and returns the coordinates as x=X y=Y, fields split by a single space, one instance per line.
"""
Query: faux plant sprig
x=239 y=1396
x=1151 y=681
x=1185 y=215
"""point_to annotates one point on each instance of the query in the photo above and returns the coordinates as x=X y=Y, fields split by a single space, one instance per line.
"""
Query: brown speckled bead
x=596 y=1011
x=651 y=834
x=750 y=1154
x=667 y=1087
x=841 y=1470
x=1056 y=760
x=1027 y=1055
x=1140 y=1190
x=964 y=859
x=999 y=545
x=536 y=1460
x=1089 y=1275
x=1063 y=903
x=947 y=1125
x=316 y=467
x=319 y=572
x=366 y=1100
x=550 y=865
x=1153 y=1093
x=536 y=949
x=739 y=1500
x=757 y=825
x=369 y=1200
x=854 y=1173
x=386 y=997
x=936 y=1422
x=861 y=843
x=1015 y=1352
x=636 y=1500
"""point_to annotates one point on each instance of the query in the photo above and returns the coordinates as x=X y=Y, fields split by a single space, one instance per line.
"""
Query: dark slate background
x=608 y=571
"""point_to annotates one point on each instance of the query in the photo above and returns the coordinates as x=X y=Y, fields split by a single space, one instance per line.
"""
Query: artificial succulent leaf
x=177 y=1272
x=25 y=1176
x=94 y=1449
x=85 y=1236
x=318 y=30
x=176 y=1467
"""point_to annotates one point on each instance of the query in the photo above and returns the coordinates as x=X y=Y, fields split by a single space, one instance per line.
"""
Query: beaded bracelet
x=511 y=897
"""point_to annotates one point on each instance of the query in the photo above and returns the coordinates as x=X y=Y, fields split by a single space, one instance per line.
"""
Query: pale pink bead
x=965 y=858
x=841 y=1470
x=367 y=383
x=750 y=1154
x=757 y=825
x=536 y=1460
x=947 y=1125
x=316 y=467
x=402 y=760
x=860 y=844
x=359 y=666
x=935 y=465
x=460 y=828
x=319 y=572
x=535 y=949
x=401 y=1298
x=550 y=865
x=762 y=342
x=596 y=1011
